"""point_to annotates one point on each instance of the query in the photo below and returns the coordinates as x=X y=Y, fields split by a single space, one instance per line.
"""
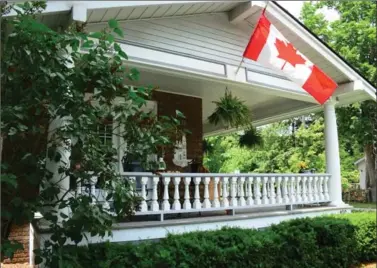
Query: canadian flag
x=269 y=47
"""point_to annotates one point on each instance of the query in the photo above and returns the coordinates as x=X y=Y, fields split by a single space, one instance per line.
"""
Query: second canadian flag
x=269 y=47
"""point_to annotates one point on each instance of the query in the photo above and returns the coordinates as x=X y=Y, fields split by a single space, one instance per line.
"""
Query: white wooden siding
x=207 y=37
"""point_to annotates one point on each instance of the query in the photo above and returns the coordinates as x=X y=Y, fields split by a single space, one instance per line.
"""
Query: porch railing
x=197 y=192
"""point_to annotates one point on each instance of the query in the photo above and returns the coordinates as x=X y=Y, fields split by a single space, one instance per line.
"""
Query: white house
x=361 y=165
x=191 y=50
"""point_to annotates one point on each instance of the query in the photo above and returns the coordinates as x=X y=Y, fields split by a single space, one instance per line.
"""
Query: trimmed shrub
x=339 y=241
x=366 y=237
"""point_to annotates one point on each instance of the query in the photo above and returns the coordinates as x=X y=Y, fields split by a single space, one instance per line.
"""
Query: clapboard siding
x=207 y=37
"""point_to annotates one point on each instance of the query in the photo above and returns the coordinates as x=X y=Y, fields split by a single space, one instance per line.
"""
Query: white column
x=64 y=149
x=332 y=154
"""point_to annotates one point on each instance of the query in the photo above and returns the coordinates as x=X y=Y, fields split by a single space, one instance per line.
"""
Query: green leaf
x=179 y=114
x=88 y=44
x=119 y=32
x=96 y=35
x=113 y=23
x=117 y=47
x=123 y=54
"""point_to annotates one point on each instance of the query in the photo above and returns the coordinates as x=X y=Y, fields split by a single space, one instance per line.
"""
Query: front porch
x=193 y=69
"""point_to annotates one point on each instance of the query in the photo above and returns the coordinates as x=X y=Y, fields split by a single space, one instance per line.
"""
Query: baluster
x=310 y=189
x=272 y=191
x=279 y=199
x=186 y=203
x=257 y=193
x=249 y=193
x=293 y=190
x=298 y=191
x=224 y=200
x=233 y=193
x=304 y=194
x=215 y=202
x=326 y=188
x=206 y=202
x=154 y=203
x=285 y=190
x=143 y=204
x=315 y=189
x=264 y=190
x=241 y=200
x=93 y=181
x=321 y=196
x=176 y=203
x=197 y=203
x=165 y=203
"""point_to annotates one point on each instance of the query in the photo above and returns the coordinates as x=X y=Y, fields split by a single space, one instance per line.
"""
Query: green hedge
x=339 y=241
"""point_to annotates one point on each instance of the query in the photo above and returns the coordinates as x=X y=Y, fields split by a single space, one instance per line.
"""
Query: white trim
x=79 y=12
x=157 y=230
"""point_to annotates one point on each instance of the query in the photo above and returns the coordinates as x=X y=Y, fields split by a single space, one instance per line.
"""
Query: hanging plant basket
x=251 y=138
x=231 y=111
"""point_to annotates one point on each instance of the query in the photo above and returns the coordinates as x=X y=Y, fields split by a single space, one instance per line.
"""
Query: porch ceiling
x=264 y=105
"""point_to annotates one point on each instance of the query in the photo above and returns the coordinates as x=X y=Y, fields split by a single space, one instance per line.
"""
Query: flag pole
x=263 y=11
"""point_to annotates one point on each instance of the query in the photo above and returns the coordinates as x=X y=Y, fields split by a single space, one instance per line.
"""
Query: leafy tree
x=353 y=35
x=57 y=89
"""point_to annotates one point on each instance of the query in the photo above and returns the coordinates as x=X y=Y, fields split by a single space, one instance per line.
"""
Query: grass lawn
x=364 y=205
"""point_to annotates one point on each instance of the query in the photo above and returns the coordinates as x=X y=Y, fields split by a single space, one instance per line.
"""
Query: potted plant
x=251 y=138
x=231 y=111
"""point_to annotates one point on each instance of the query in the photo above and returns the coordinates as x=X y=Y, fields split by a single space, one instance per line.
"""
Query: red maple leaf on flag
x=288 y=53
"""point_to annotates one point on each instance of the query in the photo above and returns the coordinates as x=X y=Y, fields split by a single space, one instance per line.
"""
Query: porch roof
x=182 y=61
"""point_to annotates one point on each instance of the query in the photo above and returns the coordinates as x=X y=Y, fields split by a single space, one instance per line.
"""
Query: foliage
x=318 y=242
x=230 y=111
x=353 y=36
x=283 y=150
x=366 y=237
x=251 y=138
x=57 y=88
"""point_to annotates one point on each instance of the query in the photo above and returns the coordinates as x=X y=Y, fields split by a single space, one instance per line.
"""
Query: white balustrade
x=304 y=193
x=241 y=200
x=176 y=204
x=154 y=203
x=264 y=190
x=227 y=192
x=320 y=188
x=233 y=192
x=272 y=191
x=257 y=193
x=206 y=202
x=216 y=202
x=197 y=203
x=285 y=190
x=187 y=203
x=143 y=204
x=279 y=198
x=310 y=190
x=224 y=200
x=298 y=190
x=249 y=192
x=315 y=189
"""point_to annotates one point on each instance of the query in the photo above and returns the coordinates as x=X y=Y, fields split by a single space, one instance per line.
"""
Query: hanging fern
x=230 y=111
x=251 y=138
